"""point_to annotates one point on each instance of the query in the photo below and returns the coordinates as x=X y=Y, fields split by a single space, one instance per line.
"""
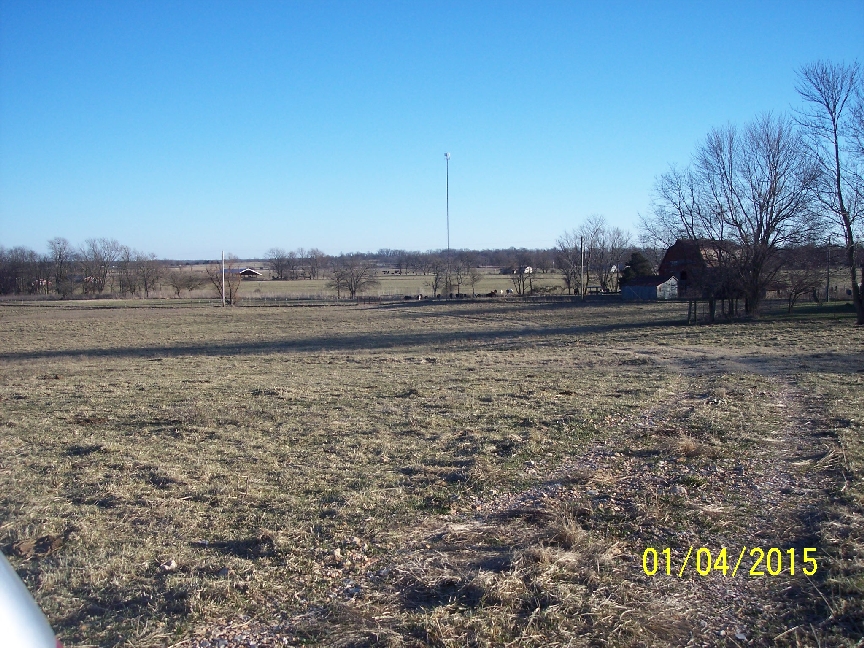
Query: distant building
x=701 y=268
x=687 y=260
x=650 y=288
x=249 y=273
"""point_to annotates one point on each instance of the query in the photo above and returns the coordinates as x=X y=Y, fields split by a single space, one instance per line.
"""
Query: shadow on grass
x=517 y=334
x=349 y=342
x=249 y=548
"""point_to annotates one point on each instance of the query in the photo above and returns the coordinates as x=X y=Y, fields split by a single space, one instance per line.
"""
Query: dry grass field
x=473 y=474
x=389 y=284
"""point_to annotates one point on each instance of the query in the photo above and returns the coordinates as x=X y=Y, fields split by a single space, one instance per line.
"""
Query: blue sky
x=186 y=128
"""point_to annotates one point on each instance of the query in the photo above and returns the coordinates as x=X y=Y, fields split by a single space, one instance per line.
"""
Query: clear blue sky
x=186 y=128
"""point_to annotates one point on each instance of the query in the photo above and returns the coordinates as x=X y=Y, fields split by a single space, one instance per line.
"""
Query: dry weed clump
x=469 y=474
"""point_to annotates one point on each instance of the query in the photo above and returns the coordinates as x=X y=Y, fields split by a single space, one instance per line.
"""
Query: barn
x=650 y=288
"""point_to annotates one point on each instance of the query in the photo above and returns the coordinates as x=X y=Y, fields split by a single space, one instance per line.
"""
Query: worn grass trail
x=472 y=474
x=560 y=562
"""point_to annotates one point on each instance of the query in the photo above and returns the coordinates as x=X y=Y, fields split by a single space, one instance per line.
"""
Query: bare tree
x=803 y=273
x=744 y=197
x=315 y=259
x=233 y=280
x=523 y=274
x=602 y=248
x=473 y=277
x=437 y=268
x=278 y=260
x=460 y=270
x=23 y=271
x=569 y=259
x=523 y=280
x=608 y=255
x=180 y=281
x=591 y=233
x=149 y=271
x=353 y=275
x=833 y=123
x=126 y=272
x=338 y=280
x=97 y=256
x=403 y=262
x=63 y=257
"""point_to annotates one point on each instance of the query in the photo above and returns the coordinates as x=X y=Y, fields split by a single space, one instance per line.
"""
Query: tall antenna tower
x=447 y=157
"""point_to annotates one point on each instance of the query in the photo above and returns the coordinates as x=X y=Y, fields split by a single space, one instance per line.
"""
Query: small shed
x=249 y=273
x=650 y=288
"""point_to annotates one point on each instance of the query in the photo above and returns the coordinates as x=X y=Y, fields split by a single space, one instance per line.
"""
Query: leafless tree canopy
x=746 y=195
x=62 y=256
x=233 y=280
x=180 y=280
x=605 y=249
x=437 y=270
x=96 y=258
x=149 y=272
x=834 y=124
x=23 y=271
x=803 y=273
x=569 y=259
x=278 y=260
x=314 y=260
x=127 y=277
x=352 y=275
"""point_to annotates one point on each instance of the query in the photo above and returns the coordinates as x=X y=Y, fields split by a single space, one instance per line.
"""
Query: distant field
x=389 y=284
x=430 y=473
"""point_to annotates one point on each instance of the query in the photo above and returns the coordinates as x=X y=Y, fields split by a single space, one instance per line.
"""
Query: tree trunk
x=857 y=296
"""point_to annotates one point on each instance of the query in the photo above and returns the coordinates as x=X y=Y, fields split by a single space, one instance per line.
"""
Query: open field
x=430 y=474
x=389 y=284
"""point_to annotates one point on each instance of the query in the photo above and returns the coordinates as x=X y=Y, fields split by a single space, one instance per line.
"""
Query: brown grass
x=473 y=474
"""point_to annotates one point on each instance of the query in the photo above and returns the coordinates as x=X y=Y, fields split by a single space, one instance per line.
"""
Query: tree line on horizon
x=105 y=267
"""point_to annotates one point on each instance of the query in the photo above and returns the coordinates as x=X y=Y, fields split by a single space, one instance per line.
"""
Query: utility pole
x=447 y=157
x=828 y=274
x=582 y=271
x=223 y=277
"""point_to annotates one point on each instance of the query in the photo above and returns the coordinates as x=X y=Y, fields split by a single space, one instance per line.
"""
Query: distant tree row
x=295 y=264
x=593 y=252
x=99 y=267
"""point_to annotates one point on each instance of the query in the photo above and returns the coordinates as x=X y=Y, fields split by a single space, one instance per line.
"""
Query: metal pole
x=447 y=157
x=582 y=271
x=223 y=277
x=828 y=274
x=448 y=207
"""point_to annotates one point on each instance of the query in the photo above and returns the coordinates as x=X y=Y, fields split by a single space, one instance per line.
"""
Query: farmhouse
x=650 y=288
